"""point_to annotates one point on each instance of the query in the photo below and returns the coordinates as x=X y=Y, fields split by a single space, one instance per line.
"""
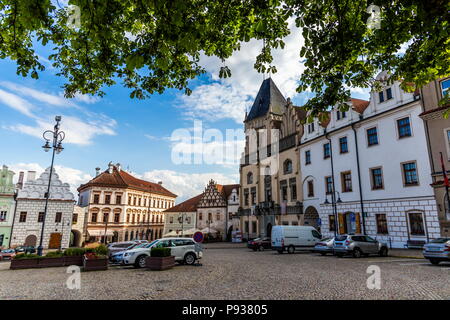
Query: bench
x=415 y=244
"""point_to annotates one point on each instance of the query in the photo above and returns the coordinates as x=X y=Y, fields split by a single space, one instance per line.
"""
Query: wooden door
x=358 y=223
x=30 y=240
x=341 y=219
x=55 y=241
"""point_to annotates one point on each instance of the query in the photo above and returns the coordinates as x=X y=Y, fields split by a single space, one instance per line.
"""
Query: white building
x=181 y=217
x=30 y=212
x=379 y=159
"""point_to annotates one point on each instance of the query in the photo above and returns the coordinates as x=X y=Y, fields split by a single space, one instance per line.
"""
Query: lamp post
x=54 y=137
x=334 y=202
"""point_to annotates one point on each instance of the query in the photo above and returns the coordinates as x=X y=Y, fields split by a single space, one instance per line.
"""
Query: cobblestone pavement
x=238 y=273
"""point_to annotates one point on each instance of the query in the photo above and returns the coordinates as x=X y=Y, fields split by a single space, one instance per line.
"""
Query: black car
x=25 y=249
x=259 y=244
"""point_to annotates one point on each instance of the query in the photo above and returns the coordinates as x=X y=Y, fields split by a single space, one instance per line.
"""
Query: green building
x=7 y=204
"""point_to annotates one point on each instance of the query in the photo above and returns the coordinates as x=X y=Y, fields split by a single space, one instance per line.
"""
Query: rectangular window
x=445 y=86
x=74 y=218
x=328 y=185
x=343 y=145
x=377 y=178
x=41 y=217
x=338 y=115
x=293 y=187
x=107 y=199
x=381 y=224
x=117 y=217
x=200 y=216
x=218 y=216
x=246 y=197
x=326 y=151
x=118 y=199
x=96 y=198
x=253 y=192
x=404 y=127
x=246 y=226
x=388 y=93
x=94 y=217
x=58 y=217
x=332 y=222
x=307 y=157
x=346 y=178
x=284 y=190
x=2 y=216
x=311 y=128
x=344 y=114
x=23 y=217
x=410 y=174
x=310 y=188
x=381 y=96
x=372 y=136
x=416 y=224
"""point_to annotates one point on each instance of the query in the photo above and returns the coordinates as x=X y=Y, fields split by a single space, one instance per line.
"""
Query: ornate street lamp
x=53 y=139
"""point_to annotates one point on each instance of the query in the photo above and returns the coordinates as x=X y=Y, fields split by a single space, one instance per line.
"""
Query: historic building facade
x=122 y=207
x=367 y=170
x=7 y=204
x=30 y=208
x=270 y=176
x=79 y=226
x=182 y=217
x=437 y=129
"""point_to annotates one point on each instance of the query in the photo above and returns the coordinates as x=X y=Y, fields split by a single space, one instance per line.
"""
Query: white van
x=291 y=237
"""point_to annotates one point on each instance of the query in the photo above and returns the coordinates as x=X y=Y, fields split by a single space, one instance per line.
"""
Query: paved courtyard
x=237 y=273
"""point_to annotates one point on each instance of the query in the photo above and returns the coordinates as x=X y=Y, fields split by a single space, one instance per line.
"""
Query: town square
x=188 y=150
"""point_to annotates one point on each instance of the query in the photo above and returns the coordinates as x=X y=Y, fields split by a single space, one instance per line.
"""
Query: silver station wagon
x=358 y=245
x=437 y=250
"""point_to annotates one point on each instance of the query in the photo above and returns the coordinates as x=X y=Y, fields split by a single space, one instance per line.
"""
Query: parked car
x=25 y=249
x=7 y=254
x=291 y=237
x=117 y=257
x=259 y=244
x=437 y=250
x=324 y=246
x=185 y=250
x=120 y=246
x=358 y=245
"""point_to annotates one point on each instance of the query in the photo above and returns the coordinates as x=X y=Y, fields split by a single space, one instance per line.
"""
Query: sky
x=142 y=135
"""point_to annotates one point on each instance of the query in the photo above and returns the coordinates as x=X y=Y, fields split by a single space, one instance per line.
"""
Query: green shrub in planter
x=74 y=252
x=26 y=256
x=54 y=254
x=101 y=250
x=160 y=252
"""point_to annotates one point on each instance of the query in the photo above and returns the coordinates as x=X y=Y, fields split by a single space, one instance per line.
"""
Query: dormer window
x=341 y=115
x=381 y=96
x=385 y=95
x=311 y=127
x=389 y=93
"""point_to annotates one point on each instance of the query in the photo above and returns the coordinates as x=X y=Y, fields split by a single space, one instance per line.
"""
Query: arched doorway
x=75 y=238
x=269 y=230
x=115 y=237
x=31 y=240
x=311 y=217
x=230 y=230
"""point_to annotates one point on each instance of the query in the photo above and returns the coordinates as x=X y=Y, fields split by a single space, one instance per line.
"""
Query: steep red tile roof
x=435 y=110
x=227 y=189
x=189 y=205
x=122 y=179
x=359 y=105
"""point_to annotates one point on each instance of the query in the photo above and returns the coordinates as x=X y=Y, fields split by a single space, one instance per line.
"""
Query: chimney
x=110 y=167
x=31 y=175
x=119 y=167
x=160 y=183
x=97 y=171
x=20 y=181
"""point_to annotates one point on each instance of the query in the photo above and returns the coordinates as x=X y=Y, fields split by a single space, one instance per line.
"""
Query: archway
x=269 y=230
x=311 y=217
x=230 y=230
x=115 y=237
x=75 y=238
x=31 y=240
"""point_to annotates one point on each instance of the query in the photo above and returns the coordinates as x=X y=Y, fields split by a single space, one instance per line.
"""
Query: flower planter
x=24 y=263
x=73 y=261
x=160 y=263
x=50 y=262
x=91 y=263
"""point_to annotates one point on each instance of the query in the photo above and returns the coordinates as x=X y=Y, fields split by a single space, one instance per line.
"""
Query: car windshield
x=148 y=245
x=440 y=240
x=8 y=251
x=340 y=238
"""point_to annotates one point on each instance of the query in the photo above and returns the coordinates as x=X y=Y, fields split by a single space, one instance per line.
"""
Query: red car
x=259 y=244
x=7 y=254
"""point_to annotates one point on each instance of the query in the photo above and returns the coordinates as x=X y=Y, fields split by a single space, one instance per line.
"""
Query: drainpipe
x=333 y=194
x=359 y=178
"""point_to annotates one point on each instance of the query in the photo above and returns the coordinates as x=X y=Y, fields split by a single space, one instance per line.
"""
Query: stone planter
x=50 y=262
x=73 y=261
x=94 y=264
x=24 y=263
x=160 y=263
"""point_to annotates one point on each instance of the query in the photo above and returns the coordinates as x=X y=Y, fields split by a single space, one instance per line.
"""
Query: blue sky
x=136 y=133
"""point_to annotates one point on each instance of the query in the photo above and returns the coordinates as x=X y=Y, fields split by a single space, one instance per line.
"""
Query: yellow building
x=122 y=207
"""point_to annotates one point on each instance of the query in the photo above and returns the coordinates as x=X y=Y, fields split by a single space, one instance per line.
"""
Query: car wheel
x=291 y=249
x=383 y=252
x=357 y=253
x=189 y=258
x=434 y=261
x=140 y=261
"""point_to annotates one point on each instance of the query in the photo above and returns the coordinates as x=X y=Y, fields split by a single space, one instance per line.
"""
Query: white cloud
x=228 y=98
x=73 y=177
x=86 y=98
x=17 y=103
x=187 y=185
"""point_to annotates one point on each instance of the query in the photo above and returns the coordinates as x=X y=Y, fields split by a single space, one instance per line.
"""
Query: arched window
x=287 y=166
x=249 y=178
